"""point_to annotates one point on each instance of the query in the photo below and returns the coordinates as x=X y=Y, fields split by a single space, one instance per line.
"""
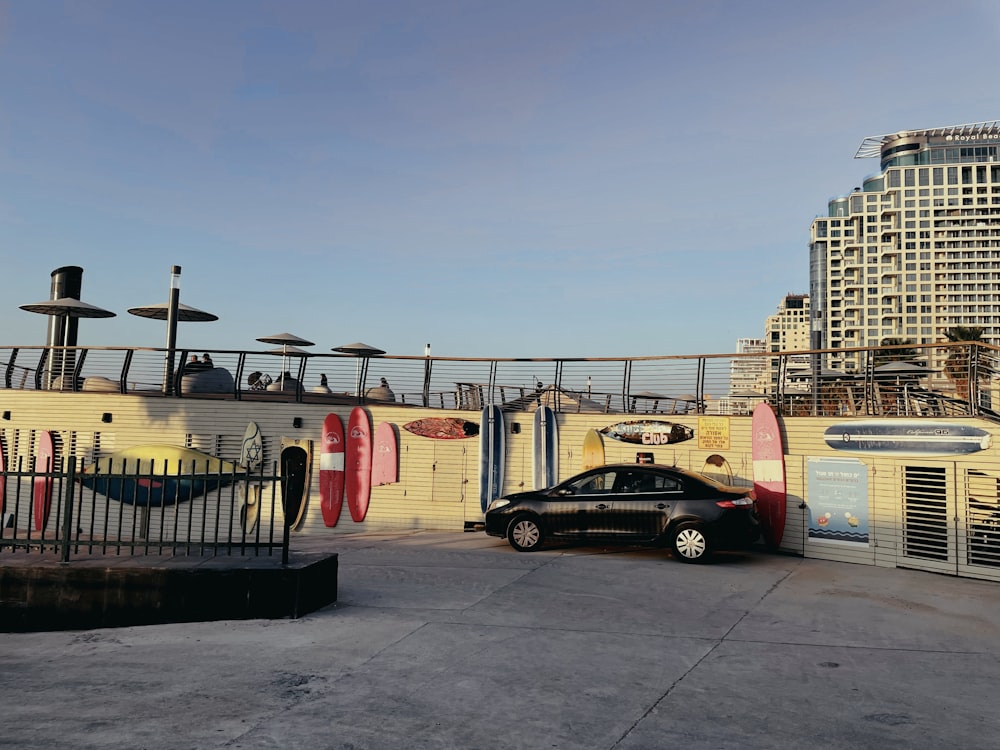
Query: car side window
x=628 y=482
x=639 y=482
x=595 y=484
x=664 y=483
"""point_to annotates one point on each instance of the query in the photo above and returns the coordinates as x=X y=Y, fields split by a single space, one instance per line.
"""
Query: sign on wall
x=838 y=500
x=713 y=433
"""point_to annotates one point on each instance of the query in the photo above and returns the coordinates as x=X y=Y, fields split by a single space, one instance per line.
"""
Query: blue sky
x=517 y=179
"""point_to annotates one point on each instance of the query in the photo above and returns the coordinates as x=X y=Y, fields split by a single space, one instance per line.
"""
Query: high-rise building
x=754 y=377
x=915 y=250
x=749 y=374
x=789 y=329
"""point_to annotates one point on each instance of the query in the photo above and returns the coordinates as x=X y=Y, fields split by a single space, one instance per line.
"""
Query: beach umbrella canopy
x=649 y=394
x=185 y=313
x=67 y=307
x=359 y=350
x=362 y=352
x=901 y=368
x=286 y=341
x=289 y=350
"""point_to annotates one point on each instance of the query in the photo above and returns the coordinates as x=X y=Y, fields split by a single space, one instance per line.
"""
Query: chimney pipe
x=66 y=282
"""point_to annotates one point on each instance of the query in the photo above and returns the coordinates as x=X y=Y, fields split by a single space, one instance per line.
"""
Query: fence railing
x=159 y=510
x=945 y=378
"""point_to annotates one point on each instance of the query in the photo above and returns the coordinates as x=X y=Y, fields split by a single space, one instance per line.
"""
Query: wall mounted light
x=515 y=428
x=6 y=415
x=296 y=422
x=106 y=417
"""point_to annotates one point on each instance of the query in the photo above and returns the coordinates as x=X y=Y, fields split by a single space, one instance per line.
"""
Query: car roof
x=658 y=467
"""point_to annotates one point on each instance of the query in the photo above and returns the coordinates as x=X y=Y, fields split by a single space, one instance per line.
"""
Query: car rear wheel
x=690 y=544
x=524 y=533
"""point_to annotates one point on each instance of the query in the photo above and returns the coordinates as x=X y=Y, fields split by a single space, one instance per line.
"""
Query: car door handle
x=661 y=506
x=602 y=506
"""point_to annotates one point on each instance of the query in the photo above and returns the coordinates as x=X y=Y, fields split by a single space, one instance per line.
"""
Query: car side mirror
x=564 y=492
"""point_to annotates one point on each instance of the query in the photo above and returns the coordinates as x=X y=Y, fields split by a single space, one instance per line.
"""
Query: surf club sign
x=648 y=432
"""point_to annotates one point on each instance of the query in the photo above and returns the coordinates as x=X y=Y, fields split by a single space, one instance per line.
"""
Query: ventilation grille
x=925 y=513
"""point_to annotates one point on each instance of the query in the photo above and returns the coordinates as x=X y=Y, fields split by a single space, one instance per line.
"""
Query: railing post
x=67 y=527
x=973 y=379
x=427 y=376
x=285 y=538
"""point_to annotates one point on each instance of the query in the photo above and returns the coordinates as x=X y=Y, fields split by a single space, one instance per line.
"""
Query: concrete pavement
x=453 y=640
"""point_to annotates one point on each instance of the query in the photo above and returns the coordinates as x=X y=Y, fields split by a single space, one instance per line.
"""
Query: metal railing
x=958 y=379
x=71 y=512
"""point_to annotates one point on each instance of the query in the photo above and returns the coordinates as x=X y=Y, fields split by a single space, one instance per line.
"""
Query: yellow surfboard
x=593 y=450
x=717 y=467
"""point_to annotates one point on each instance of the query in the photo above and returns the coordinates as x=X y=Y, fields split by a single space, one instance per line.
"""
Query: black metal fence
x=943 y=379
x=159 y=510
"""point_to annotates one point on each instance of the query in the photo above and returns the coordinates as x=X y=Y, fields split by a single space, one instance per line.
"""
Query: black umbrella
x=900 y=368
x=185 y=313
x=285 y=340
x=67 y=307
x=362 y=352
x=648 y=396
x=359 y=350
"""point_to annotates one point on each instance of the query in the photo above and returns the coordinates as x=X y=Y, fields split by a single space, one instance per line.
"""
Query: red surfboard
x=385 y=466
x=3 y=486
x=768 y=473
x=331 y=470
x=359 y=463
x=42 y=489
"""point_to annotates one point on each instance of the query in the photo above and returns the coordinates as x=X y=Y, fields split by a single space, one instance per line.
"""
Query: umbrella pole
x=175 y=293
x=62 y=363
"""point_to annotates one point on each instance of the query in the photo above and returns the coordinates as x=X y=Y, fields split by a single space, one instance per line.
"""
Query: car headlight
x=498 y=503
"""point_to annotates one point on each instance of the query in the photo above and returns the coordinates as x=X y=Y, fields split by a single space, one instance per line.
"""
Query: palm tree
x=956 y=366
x=893 y=350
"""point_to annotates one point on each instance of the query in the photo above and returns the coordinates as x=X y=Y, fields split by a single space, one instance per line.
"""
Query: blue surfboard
x=492 y=452
x=545 y=452
x=907 y=437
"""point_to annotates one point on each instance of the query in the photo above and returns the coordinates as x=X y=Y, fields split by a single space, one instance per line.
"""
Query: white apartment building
x=749 y=374
x=789 y=329
x=785 y=331
x=916 y=249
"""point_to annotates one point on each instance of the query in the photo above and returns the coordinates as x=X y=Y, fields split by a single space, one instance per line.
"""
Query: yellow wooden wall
x=438 y=484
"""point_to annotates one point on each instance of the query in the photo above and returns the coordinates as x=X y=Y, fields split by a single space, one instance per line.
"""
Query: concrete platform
x=454 y=640
x=37 y=592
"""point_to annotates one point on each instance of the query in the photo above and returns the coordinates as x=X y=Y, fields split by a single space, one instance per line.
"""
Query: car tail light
x=736 y=502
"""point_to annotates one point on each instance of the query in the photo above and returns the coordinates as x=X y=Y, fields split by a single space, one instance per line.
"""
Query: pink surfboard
x=359 y=463
x=331 y=470
x=3 y=485
x=385 y=466
x=768 y=473
x=42 y=489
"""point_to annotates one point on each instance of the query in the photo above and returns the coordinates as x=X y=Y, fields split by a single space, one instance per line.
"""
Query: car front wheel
x=690 y=544
x=524 y=533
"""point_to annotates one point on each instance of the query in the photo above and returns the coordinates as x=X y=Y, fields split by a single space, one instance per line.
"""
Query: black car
x=631 y=503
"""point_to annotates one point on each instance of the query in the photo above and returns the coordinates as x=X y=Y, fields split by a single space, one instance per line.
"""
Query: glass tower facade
x=916 y=249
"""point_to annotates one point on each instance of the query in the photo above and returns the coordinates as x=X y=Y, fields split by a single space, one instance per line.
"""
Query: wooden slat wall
x=439 y=479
